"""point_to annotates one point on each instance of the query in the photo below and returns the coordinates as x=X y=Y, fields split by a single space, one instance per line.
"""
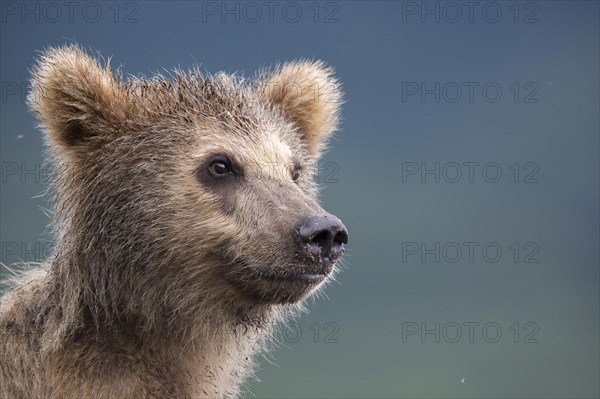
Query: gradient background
x=379 y=48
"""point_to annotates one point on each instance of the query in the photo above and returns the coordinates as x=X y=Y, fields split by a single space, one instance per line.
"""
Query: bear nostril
x=341 y=237
x=323 y=234
x=323 y=238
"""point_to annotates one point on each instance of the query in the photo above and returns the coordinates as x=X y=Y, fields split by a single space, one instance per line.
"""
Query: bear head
x=189 y=187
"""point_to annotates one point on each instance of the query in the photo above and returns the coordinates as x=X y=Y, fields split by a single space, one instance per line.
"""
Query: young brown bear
x=186 y=224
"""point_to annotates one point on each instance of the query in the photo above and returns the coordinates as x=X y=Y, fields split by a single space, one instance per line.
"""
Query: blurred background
x=466 y=169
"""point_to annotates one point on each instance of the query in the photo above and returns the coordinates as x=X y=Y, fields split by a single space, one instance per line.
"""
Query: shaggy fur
x=160 y=283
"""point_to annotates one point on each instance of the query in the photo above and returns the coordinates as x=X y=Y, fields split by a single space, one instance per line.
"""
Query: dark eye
x=296 y=173
x=220 y=167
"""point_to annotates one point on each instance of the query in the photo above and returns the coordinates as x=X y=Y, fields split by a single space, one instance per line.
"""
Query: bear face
x=188 y=189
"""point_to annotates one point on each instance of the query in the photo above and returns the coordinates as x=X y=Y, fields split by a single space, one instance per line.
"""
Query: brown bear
x=186 y=224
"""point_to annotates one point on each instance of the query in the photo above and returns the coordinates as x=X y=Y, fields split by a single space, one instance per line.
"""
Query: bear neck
x=88 y=291
x=103 y=284
x=214 y=350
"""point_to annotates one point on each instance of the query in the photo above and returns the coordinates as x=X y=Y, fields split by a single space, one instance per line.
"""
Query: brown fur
x=156 y=288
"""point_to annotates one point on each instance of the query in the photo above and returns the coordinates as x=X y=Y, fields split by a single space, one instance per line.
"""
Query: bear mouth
x=263 y=285
x=309 y=278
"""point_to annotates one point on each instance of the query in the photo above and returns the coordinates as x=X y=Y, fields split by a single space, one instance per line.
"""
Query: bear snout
x=323 y=236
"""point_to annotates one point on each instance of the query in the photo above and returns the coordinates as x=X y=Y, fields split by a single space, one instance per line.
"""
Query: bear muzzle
x=323 y=238
x=319 y=240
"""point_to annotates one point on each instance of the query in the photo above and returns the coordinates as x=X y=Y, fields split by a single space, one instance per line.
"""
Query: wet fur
x=136 y=300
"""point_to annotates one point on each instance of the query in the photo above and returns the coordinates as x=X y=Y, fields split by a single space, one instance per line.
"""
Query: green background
x=549 y=125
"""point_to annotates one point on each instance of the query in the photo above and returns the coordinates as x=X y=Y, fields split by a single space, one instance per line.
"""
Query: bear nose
x=324 y=235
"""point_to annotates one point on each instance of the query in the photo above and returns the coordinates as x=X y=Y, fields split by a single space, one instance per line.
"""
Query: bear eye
x=296 y=173
x=220 y=167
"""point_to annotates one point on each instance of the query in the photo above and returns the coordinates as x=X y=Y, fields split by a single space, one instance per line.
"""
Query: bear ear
x=309 y=95
x=79 y=101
